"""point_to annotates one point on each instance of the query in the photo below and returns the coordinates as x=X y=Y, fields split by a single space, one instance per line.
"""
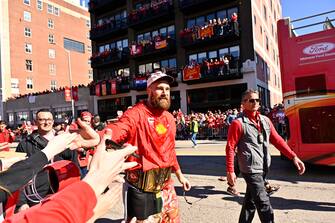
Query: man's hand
x=186 y=184
x=299 y=164
x=87 y=136
x=23 y=207
x=58 y=144
x=231 y=178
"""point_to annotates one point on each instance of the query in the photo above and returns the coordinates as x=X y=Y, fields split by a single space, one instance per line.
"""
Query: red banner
x=191 y=73
x=113 y=87
x=75 y=94
x=160 y=44
x=103 y=89
x=206 y=32
x=97 y=89
x=67 y=94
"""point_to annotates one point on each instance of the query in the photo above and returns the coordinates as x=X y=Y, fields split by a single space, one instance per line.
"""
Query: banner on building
x=103 y=89
x=75 y=94
x=113 y=86
x=160 y=44
x=97 y=89
x=191 y=73
x=67 y=94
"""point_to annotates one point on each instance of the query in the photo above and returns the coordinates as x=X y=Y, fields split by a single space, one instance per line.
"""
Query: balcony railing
x=140 y=81
x=113 y=86
x=110 y=57
x=209 y=34
x=214 y=70
x=108 y=29
x=146 y=14
x=104 y=5
x=152 y=47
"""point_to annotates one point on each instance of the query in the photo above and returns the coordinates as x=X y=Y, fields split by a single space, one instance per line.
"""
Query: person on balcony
x=234 y=24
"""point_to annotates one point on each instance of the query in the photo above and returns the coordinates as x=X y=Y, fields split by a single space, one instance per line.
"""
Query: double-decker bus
x=307 y=65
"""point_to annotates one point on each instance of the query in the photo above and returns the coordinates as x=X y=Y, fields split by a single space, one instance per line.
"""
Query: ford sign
x=319 y=48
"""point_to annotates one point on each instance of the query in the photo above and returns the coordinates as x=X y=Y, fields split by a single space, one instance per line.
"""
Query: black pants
x=256 y=198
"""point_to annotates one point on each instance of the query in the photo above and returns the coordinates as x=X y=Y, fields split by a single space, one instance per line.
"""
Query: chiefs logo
x=160 y=129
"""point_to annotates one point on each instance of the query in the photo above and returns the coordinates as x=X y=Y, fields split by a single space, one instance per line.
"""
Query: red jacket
x=152 y=131
x=74 y=204
x=5 y=136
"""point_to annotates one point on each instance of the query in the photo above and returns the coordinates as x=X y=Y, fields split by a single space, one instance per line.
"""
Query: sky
x=296 y=9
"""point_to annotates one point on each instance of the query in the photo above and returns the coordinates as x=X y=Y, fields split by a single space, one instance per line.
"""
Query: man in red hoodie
x=6 y=137
x=149 y=126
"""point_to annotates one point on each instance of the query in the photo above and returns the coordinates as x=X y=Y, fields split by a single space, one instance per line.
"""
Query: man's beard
x=160 y=103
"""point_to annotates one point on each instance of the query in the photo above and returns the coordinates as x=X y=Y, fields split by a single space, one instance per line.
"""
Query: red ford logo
x=319 y=48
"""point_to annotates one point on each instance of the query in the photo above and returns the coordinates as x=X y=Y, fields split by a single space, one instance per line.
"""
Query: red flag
x=97 y=89
x=75 y=95
x=103 y=89
x=67 y=94
x=113 y=87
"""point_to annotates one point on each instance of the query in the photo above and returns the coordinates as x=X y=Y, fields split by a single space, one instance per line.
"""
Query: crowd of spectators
x=215 y=124
x=213 y=28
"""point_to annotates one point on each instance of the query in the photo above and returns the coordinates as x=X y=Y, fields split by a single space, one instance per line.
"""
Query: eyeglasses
x=254 y=100
x=44 y=120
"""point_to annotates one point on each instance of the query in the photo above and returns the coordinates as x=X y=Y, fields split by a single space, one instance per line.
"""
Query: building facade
x=45 y=45
x=214 y=49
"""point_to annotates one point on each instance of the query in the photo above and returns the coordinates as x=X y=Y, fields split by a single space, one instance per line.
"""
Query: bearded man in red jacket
x=149 y=126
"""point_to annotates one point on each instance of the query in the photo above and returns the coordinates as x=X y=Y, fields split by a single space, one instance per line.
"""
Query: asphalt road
x=302 y=199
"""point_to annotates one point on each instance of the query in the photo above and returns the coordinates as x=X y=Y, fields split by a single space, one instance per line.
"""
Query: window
x=235 y=51
x=27 y=16
x=50 y=24
x=267 y=42
x=39 y=5
x=212 y=54
x=52 y=69
x=53 y=85
x=171 y=31
x=90 y=74
x=88 y=23
x=26 y=2
x=202 y=56
x=27 y=32
x=89 y=48
x=264 y=10
x=29 y=82
x=255 y=20
x=52 y=53
x=15 y=83
x=29 y=65
x=28 y=48
x=74 y=45
x=50 y=9
x=56 y=11
x=51 y=38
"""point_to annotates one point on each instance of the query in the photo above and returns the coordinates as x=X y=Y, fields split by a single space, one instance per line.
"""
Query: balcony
x=116 y=85
x=208 y=35
x=143 y=17
x=109 y=57
x=108 y=29
x=215 y=70
x=100 y=6
x=152 y=48
x=192 y=6
x=140 y=81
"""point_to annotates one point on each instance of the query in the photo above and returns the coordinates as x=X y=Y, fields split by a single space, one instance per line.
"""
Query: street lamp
x=70 y=76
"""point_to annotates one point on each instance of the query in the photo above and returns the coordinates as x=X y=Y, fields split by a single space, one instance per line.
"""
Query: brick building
x=214 y=49
x=41 y=42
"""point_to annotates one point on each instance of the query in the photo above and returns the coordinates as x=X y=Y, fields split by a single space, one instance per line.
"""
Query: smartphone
x=110 y=144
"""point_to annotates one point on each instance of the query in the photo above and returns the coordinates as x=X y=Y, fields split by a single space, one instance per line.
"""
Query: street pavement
x=301 y=199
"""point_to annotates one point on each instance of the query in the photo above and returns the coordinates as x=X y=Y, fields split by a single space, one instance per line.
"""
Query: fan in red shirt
x=6 y=137
x=149 y=126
